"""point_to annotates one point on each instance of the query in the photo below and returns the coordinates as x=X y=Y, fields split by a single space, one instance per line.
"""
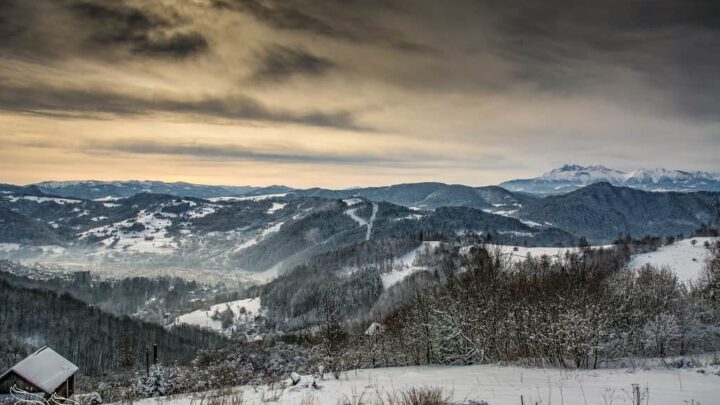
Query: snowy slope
x=682 y=257
x=495 y=384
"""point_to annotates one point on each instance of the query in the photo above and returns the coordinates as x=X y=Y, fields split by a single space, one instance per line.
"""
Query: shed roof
x=45 y=369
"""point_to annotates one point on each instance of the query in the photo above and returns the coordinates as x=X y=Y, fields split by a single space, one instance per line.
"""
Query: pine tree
x=127 y=357
x=154 y=384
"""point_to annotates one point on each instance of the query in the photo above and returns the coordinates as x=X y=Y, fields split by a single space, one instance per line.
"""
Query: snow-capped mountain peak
x=660 y=175
x=583 y=174
x=570 y=177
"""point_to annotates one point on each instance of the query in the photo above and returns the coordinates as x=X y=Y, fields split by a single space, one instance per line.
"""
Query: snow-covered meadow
x=497 y=385
x=685 y=258
x=244 y=312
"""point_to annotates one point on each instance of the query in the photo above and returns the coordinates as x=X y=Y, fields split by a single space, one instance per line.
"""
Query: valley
x=299 y=269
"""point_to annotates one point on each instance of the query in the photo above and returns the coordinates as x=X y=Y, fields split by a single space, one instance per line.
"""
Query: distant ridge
x=93 y=189
x=571 y=177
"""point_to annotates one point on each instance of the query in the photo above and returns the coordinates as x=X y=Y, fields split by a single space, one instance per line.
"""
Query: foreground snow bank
x=495 y=384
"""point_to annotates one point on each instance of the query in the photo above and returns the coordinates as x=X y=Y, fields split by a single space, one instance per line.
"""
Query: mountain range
x=427 y=195
x=572 y=177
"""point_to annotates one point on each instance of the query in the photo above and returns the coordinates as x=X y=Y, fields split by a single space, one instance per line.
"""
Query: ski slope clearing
x=352 y=201
x=352 y=213
x=495 y=384
x=682 y=257
x=408 y=264
x=245 y=311
x=276 y=207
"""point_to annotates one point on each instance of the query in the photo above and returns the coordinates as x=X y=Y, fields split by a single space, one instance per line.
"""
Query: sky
x=340 y=93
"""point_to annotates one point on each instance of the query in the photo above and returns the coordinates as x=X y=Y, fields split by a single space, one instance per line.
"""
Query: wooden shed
x=44 y=372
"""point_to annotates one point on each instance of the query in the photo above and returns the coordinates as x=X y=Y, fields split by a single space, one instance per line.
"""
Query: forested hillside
x=88 y=336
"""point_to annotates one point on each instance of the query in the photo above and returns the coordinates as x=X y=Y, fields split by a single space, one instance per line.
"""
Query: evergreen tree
x=154 y=384
x=127 y=356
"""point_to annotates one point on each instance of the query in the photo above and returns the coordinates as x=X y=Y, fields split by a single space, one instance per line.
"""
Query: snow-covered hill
x=571 y=177
x=685 y=258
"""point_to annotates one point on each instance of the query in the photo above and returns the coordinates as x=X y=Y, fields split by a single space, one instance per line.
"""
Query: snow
x=107 y=198
x=519 y=253
x=247 y=198
x=272 y=229
x=45 y=369
x=659 y=175
x=111 y=205
x=264 y=234
x=372 y=220
x=504 y=213
x=516 y=233
x=152 y=239
x=584 y=174
x=9 y=247
x=204 y=319
x=405 y=265
x=352 y=213
x=352 y=201
x=497 y=385
x=684 y=259
x=40 y=200
x=276 y=207
x=413 y=217
x=202 y=211
x=531 y=224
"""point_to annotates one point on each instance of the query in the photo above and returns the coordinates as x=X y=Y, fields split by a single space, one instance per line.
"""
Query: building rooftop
x=45 y=369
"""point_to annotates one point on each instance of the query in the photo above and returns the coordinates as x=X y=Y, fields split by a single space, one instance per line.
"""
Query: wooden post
x=522 y=400
x=154 y=354
x=636 y=394
x=147 y=361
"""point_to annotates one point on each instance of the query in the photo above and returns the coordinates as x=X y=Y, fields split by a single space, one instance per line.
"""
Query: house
x=44 y=372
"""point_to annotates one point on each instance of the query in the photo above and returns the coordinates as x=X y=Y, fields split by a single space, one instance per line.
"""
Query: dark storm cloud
x=175 y=45
x=115 y=22
x=329 y=18
x=67 y=28
x=281 y=15
x=669 y=50
x=140 y=30
x=94 y=103
x=672 y=46
x=279 y=62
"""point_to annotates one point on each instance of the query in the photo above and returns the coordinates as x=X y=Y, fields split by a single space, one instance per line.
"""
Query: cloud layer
x=365 y=91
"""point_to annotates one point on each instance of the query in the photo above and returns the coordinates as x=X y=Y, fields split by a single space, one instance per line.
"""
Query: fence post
x=636 y=394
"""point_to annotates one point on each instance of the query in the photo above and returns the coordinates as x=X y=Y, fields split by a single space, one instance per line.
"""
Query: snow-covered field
x=495 y=384
x=682 y=257
x=520 y=253
x=252 y=308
